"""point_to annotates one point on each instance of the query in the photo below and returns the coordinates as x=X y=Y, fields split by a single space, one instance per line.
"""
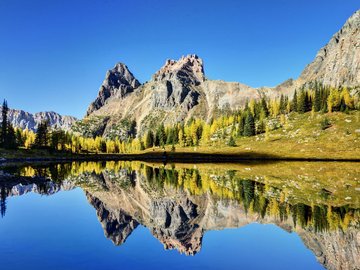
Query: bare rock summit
x=118 y=82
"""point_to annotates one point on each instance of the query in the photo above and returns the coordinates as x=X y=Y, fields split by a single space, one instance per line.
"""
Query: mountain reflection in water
x=180 y=202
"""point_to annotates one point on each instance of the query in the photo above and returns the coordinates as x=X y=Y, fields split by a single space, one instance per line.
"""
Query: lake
x=135 y=215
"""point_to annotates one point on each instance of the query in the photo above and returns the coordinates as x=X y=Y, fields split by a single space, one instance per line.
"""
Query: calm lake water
x=181 y=216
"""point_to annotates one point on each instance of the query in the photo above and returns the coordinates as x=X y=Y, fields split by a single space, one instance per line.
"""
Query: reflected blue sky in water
x=62 y=231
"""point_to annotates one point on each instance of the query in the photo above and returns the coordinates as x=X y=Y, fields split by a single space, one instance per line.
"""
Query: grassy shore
x=300 y=138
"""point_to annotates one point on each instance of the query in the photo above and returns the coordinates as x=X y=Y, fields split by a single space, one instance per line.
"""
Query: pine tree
x=282 y=104
x=294 y=102
x=7 y=136
x=10 y=137
x=161 y=136
x=231 y=142
x=4 y=124
x=317 y=101
x=149 y=139
x=241 y=126
x=264 y=106
x=249 y=128
x=301 y=102
x=41 y=139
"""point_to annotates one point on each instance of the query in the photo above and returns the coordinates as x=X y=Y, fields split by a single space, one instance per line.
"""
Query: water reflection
x=179 y=203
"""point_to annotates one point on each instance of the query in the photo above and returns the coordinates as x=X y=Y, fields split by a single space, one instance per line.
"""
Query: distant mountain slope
x=179 y=90
x=25 y=120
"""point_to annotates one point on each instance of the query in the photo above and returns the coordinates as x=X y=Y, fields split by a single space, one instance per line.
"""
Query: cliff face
x=338 y=63
x=25 y=120
x=179 y=90
x=118 y=83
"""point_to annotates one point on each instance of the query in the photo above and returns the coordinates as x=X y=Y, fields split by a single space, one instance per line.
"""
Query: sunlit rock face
x=337 y=63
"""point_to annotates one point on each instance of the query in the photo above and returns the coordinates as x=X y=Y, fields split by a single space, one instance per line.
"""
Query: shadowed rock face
x=117 y=225
x=25 y=120
x=174 y=224
x=118 y=83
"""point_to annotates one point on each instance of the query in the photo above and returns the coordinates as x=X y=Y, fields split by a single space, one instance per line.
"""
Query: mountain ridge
x=25 y=120
x=179 y=90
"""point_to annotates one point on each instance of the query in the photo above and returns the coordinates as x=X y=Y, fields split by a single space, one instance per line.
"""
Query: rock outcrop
x=118 y=83
x=25 y=120
x=338 y=63
x=188 y=70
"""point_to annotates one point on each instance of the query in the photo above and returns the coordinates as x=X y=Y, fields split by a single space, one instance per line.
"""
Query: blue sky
x=54 y=54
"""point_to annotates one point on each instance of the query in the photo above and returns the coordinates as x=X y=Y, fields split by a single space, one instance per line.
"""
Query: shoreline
x=169 y=157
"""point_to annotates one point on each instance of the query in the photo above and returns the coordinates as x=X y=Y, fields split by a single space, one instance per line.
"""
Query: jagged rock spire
x=118 y=82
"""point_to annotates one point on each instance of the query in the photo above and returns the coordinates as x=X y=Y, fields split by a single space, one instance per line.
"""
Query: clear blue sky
x=54 y=54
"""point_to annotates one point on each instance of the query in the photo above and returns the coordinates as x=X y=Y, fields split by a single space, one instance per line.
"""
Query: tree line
x=252 y=119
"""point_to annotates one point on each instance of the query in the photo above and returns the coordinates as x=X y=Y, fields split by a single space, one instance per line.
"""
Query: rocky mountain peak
x=118 y=82
x=188 y=69
x=337 y=63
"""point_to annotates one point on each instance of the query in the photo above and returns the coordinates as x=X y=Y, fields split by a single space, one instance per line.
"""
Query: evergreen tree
x=4 y=124
x=41 y=139
x=264 y=106
x=241 y=126
x=301 y=102
x=160 y=136
x=249 y=127
x=308 y=102
x=7 y=136
x=231 y=142
x=10 y=138
x=282 y=104
x=20 y=139
x=294 y=102
x=317 y=101
x=149 y=139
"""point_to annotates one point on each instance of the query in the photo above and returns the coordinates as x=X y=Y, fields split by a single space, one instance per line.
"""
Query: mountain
x=25 y=120
x=338 y=63
x=180 y=90
x=119 y=82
